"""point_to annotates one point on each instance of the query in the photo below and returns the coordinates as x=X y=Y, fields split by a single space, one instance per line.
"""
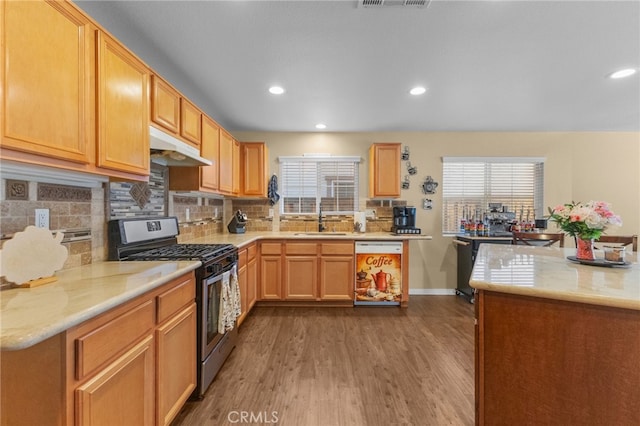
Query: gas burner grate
x=184 y=251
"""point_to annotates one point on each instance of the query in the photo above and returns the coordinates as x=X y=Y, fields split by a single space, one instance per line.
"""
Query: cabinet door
x=252 y=283
x=253 y=167
x=190 y=123
x=235 y=161
x=242 y=283
x=226 y=162
x=122 y=393
x=271 y=277
x=46 y=80
x=123 y=109
x=384 y=170
x=210 y=150
x=165 y=105
x=176 y=369
x=336 y=278
x=301 y=277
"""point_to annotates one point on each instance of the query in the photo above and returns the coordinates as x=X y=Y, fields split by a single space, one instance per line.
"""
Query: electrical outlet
x=270 y=213
x=370 y=213
x=215 y=213
x=42 y=218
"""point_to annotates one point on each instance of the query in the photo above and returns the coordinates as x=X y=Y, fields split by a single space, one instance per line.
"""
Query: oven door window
x=214 y=288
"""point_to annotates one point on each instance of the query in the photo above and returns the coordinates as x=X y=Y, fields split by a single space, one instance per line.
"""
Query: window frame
x=333 y=187
x=486 y=163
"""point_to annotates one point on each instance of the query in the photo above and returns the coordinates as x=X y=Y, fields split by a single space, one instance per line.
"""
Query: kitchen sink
x=320 y=233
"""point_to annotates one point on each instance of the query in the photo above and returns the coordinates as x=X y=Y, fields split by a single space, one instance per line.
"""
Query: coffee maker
x=404 y=221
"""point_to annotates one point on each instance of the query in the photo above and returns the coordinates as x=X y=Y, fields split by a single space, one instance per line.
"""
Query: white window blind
x=308 y=181
x=470 y=184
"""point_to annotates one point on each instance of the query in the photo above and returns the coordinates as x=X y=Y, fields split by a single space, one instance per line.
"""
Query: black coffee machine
x=404 y=221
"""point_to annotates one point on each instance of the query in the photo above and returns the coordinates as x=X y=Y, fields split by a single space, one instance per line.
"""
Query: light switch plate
x=370 y=213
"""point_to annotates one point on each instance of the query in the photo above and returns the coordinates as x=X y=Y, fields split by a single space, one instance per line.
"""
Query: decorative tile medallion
x=17 y=189
x=140 y=193
x=52 y=192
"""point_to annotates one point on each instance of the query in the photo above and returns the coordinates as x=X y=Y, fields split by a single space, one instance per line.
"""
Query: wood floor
x=347 y=366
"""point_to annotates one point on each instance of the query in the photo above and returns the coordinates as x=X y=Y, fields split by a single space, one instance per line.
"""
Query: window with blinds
x=470 y=184
x=308 y=181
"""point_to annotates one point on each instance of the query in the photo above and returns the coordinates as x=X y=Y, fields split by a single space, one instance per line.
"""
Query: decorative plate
x=599 y=262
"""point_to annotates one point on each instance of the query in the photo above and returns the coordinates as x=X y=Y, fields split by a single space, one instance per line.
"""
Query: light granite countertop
x=546 y=272
x=240 y=240
x=31 y=315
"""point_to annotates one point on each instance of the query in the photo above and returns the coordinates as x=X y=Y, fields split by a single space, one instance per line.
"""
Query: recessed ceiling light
x=276 y=90
x=623 y=73
x=417 y=90
x=321 y=126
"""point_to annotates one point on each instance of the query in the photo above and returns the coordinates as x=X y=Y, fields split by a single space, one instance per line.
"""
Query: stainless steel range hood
x=171 y=151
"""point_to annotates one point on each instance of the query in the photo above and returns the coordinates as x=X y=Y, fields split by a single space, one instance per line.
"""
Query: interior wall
x=579 y=166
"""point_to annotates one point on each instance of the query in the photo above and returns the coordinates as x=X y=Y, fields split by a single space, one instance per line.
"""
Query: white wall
x=578 y=167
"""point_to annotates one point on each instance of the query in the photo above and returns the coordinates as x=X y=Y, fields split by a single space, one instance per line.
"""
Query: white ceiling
x=488 y=65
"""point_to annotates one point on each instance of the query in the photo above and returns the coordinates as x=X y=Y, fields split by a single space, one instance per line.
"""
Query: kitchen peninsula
x=557 y=342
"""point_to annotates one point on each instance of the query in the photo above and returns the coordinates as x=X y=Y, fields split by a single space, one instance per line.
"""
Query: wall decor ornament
x=427 y=204
x=405 y=154
x=429 y=186
x=405 y=182
x=411 y=169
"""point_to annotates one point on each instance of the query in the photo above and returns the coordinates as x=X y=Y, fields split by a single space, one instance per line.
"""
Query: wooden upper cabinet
x=46 y=80
x=235 y=166
x=210 y=149
x=165 y=105
x=384 y=170
x=123 y=109
x=226 y=162
x=190 y=123
x=253 y=168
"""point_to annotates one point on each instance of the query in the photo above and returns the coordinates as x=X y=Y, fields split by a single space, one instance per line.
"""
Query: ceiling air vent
x=390 y=3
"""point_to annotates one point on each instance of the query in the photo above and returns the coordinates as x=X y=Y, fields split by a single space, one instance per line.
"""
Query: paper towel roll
x=360 y=217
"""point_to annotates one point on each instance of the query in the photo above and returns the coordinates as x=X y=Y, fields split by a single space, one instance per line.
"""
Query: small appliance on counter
x=238 y=223
x=404 y=221
x=500 y=220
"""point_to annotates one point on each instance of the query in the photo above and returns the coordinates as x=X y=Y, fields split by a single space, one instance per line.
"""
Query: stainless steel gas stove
x=148 y=239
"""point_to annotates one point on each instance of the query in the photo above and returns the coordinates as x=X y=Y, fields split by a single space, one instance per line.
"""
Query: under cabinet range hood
x=171 y=151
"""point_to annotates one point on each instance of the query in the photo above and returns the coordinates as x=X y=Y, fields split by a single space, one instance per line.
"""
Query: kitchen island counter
x=546 y=272
x=31 y=315
x=555 y=341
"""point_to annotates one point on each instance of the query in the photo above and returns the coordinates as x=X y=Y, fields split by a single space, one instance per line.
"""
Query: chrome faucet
x=321 y=227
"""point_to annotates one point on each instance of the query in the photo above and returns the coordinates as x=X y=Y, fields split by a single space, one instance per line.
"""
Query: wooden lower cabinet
x=307 y=271
x=132 y=365
x=552 y=362
x=247 y=279
x=176 y=364
x=120 y=393
x=301 y=277
x=336 y=278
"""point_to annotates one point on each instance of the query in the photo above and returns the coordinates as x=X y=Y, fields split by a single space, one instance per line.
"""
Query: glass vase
x=584 y=249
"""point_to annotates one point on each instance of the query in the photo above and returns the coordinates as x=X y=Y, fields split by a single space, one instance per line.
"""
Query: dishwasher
x=378 y=272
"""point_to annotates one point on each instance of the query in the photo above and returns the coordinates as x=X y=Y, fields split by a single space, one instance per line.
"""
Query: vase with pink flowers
x=585 y=222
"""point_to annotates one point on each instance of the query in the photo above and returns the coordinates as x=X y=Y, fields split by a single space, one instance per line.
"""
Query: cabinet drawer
x=270 y=248
x=337 y=248
x=242 y=257
x=105 y=342
x=301 y=248
x=252 y=250
x=171 y=301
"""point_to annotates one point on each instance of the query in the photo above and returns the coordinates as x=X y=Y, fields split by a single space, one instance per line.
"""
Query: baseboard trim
x=432 y=292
